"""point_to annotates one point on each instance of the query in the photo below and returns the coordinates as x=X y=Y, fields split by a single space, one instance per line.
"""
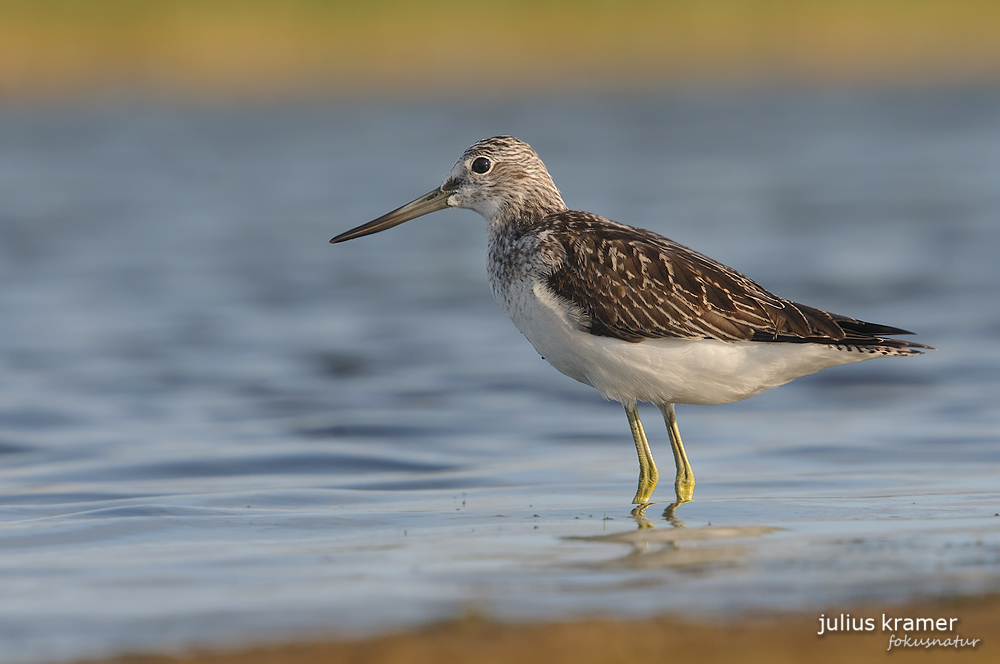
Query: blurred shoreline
x=263 y=48
x=765 y=638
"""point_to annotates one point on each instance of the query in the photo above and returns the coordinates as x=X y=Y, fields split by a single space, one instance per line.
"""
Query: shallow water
x=217 y=428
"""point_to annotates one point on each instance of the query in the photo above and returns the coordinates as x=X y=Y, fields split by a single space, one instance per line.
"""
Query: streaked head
x=501 y=178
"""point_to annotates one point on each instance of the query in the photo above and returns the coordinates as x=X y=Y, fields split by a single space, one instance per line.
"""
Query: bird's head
x=501 y=178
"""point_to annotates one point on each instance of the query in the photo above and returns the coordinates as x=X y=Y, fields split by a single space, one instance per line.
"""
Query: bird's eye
x=481 y=165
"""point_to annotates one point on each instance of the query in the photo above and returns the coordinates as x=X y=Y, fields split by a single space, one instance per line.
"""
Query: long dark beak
x=432 y=202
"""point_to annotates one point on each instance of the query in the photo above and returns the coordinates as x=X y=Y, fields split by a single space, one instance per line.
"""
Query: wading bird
x=629 y=312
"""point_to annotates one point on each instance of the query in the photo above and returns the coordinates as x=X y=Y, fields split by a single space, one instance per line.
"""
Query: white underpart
x=688 y=371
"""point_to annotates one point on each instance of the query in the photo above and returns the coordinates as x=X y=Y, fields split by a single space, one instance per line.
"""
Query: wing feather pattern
x=632 y=284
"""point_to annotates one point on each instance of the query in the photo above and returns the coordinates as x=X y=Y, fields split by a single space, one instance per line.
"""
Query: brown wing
x=633 y=284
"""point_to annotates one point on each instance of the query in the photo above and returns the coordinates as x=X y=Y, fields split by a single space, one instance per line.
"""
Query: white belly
x=690 y=371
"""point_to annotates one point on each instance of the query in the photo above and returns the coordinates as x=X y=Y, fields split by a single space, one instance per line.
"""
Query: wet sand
x=774 y=638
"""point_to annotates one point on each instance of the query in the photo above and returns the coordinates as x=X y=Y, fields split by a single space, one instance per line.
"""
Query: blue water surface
x=216 y=428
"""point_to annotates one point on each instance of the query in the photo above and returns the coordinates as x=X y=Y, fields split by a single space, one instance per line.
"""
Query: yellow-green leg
x=648 y=475
x=684 y=484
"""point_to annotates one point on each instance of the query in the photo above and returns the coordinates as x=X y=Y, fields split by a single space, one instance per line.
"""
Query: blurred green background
x=263 y=48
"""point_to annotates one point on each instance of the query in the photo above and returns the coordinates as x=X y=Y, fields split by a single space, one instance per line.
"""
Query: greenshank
x=629 y=312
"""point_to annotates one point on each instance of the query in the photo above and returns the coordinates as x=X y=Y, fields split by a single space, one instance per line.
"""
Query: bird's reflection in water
x=643 y=521
x=678 y=547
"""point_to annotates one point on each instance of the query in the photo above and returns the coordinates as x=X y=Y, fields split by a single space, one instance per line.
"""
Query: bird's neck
x=515 y=218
